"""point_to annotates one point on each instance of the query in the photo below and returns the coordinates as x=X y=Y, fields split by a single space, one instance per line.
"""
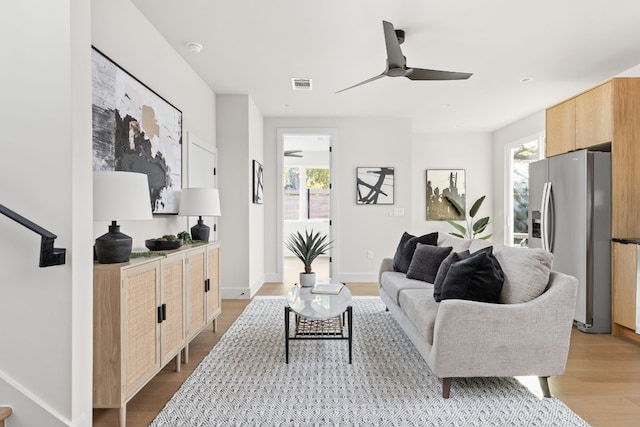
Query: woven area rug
x=244 y=381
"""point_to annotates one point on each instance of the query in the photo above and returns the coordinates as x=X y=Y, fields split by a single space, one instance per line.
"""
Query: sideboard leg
x=178 y=361
x=122 y=415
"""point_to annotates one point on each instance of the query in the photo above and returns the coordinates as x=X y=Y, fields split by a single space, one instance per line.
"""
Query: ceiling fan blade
x=361 y=83
x=395 y=58
x=425 y=74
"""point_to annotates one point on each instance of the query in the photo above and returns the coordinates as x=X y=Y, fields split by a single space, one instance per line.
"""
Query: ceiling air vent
x=301 y=84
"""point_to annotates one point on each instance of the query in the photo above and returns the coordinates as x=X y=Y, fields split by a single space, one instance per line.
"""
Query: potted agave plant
x=307 y=247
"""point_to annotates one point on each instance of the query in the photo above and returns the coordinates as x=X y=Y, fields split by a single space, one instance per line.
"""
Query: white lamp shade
x=199 y=202
x=120 y=196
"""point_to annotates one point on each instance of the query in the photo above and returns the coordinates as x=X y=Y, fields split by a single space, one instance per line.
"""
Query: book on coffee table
x=327 y=288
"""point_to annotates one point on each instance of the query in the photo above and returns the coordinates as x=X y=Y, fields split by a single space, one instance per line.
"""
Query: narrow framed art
x=375 y=185
x=136 y=130
x=257 y=182
x=442 y=183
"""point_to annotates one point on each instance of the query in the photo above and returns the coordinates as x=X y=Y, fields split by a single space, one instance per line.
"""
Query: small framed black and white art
x=257 y=182
x=374 y=185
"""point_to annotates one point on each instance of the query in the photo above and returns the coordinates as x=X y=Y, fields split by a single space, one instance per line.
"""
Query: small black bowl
x=162 y=245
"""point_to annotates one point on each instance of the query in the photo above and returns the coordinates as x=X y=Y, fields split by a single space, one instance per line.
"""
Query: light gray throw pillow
x=526 y=273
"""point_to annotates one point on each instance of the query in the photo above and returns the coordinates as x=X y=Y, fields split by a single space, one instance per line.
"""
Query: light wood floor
x=601 y=382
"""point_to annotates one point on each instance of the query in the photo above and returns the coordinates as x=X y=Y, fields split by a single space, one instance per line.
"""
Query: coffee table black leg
x=286 y=333
x=350 y=318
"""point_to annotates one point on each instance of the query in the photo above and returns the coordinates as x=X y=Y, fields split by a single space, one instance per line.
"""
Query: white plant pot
x=307 y=279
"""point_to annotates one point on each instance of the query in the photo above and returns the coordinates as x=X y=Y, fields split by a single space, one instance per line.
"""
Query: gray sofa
x=523 y=335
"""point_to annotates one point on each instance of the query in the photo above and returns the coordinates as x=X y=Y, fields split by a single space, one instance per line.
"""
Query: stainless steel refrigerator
x=570 y=216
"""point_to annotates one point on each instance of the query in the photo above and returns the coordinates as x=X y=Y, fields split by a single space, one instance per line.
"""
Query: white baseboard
x=235 y=293
x=358 y=277
x=272 y=278
x=31 y=410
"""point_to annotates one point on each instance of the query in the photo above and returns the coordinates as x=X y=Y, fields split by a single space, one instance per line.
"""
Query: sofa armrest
x=385 y=265
x=480 y=339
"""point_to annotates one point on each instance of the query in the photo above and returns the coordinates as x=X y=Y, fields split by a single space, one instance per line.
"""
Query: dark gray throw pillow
x=406 y=247
x=426 y=262
x=444 y=269
x=477 y=278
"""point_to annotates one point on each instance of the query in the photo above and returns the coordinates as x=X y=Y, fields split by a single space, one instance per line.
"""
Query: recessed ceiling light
x=194 y=47
x=526 y=79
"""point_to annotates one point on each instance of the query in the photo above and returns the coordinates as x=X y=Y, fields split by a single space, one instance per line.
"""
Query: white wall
x=45 y=313
x=240 y=141
x=357 y=228
x=523 y=128
x=469 y=151
x=256 y=211
x=121 y=32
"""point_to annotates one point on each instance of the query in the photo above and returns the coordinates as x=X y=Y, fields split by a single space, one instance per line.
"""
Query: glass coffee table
x=318 y=316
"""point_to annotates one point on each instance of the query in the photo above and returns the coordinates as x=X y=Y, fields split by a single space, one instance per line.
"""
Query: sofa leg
x=544 y=385
x=446 y=386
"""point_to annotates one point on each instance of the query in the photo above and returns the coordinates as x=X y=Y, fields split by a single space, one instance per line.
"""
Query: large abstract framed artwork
x=257 y=182
x=442 y=183
x=374 y=186
x=136 y=130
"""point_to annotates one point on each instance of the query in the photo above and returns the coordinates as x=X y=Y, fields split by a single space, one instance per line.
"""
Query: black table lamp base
x=200 y=231
x=114 y=246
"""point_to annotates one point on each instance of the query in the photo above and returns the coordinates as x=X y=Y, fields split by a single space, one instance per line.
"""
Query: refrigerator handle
x=546 y=194
x=543 y=216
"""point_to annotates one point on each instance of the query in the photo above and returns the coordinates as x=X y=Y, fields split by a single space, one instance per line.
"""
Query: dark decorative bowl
x=162 y=245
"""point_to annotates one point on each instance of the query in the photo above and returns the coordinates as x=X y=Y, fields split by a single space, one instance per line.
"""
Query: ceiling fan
x=293 y=153
x=397 y=62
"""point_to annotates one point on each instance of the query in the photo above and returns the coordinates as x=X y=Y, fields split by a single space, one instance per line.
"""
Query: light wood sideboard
x=146 y=311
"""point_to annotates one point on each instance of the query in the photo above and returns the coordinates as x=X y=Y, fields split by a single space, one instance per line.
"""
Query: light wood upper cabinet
x=561 y=128
x=625 y=158
x=623 y=290
x=594 y=116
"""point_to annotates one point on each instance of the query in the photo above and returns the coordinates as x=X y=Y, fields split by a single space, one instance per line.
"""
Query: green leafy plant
x=473 y=228
x=186 y=237
x=308 y=247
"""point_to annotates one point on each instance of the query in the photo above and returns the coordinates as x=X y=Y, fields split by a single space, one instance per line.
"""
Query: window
x=519 y=155
x=306 y=193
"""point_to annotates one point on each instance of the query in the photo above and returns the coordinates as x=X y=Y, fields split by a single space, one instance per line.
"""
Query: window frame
x=508 y=179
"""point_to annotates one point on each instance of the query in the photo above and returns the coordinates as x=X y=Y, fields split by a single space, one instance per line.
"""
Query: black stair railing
x=49 y=255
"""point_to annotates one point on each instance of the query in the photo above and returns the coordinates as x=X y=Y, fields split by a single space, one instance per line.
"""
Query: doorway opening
x=306 y=185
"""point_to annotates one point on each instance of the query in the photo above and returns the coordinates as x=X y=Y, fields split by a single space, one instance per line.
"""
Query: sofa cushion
x=426 y=262
x=418 y=305
x=406 y=247
x=526 y=273
x=393 y=282
x=477 y=278
x=444 y=269
x=477 y=244
x=456 y=243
